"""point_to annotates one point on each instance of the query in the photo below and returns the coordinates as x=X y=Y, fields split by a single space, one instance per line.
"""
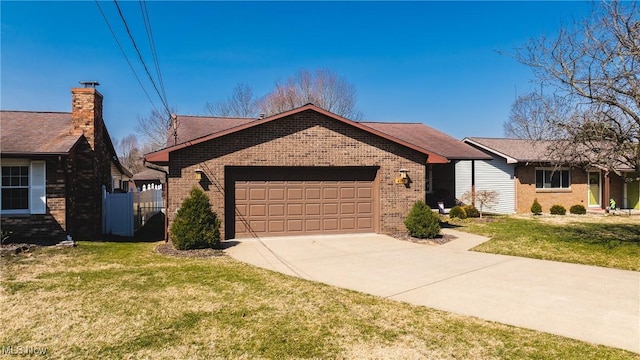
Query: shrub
x=471 y=211
x=536 y=208
x=558 y=210
x=458 y=212
x=422 y=222
x=195 y=225
x=578 y=209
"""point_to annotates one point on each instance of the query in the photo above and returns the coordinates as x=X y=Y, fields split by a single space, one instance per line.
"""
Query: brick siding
x=576 y=195
x=304 y=139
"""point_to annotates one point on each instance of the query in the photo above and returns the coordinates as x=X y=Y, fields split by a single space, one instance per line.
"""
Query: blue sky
x=438 y=63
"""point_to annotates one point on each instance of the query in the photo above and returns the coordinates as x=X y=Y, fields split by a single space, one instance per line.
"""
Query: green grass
x=122 y=300
x=601 y=241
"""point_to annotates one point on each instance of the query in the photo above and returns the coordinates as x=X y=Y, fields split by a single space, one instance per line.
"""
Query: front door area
x=594 y=189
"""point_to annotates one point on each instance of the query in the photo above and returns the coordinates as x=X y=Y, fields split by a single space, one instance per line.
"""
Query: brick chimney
x=86 y=114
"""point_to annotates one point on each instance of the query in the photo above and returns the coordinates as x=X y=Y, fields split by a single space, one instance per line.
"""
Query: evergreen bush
x=471 y=211
x=422 y=222
x=458 y=212
x=558 y=210
x=578 y=209
x=536 y=208
x=195 y=225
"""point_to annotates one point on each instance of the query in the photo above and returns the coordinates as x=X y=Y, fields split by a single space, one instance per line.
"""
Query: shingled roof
x=429 y=138
x=514 y=150
x=440 y=147
x=29 y=132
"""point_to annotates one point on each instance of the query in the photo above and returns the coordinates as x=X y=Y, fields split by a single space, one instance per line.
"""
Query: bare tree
x=322 y=87
x=484 y=199
x=241 y=103
x=130 y=152
x=534 y=115
x=595 y=65
x=153 y=129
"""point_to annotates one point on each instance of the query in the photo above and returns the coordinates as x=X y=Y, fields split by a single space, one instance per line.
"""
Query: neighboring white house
x=497 y=175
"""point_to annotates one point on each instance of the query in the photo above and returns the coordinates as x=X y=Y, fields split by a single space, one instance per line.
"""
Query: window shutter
x=38 y=188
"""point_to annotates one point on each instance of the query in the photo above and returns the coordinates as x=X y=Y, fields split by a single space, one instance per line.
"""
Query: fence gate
x=117 y=213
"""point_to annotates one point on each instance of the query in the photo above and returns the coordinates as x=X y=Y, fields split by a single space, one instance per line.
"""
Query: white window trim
x=552 y=189
x=39 y=190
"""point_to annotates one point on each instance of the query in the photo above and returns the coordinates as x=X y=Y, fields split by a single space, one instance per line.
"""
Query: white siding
x=498 y=176
x=462 y=177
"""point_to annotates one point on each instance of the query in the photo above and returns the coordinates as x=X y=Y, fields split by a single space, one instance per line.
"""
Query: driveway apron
x=589 y=303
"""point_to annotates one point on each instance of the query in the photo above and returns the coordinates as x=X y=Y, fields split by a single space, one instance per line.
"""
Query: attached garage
x=278 y=201
x=305 y=171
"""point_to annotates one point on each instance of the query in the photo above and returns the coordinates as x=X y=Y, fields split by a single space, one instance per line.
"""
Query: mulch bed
x=169 y=250
x=439 y=240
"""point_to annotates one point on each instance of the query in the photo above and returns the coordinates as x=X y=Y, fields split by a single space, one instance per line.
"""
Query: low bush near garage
x=422 y=222
x=195 y=225
x=458 y=212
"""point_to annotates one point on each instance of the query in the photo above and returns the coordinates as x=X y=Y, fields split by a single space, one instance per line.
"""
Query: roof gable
x=223 y=126
x=514 y=150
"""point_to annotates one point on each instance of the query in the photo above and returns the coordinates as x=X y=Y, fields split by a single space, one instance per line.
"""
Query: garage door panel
x=312 y=209
x=330 y=224
x=276 y=226
x=276 y=210
x=276 y=194
x=294 y=209
x=257 y=194
x=294 y=194
x=347 y=223
x=277 y=202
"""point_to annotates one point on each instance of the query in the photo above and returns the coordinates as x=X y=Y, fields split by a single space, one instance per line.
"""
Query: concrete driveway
x=588 y=303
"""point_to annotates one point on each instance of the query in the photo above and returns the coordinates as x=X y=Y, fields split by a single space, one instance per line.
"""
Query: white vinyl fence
x=123 y=213
x=147 y=202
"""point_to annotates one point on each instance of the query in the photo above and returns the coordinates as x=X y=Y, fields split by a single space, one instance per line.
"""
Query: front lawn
x=123 y=300
x=609 y=241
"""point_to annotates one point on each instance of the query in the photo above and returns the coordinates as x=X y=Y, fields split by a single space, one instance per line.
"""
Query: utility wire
x=124 y=21
x=125 y=55
x=152 y=45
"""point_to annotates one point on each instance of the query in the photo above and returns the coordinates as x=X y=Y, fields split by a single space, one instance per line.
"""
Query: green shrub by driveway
x=195 y=226
x=422 y=222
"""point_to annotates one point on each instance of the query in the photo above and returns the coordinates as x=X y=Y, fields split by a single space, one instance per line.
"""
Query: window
x=23 y=188
x=429 y=183
x=15 y=187
x=553 y=179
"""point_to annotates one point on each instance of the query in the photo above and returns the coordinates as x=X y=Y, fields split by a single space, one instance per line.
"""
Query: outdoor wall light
x=199 y=173
x=404 y=177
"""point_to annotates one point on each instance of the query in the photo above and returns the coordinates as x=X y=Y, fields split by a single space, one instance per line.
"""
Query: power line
x=125 y=55
x=124 y=21
x=152 y=45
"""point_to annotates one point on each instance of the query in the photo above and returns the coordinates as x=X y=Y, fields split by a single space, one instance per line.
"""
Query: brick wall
x=527 y=192
x=49 y=228
x=303 y=139
x=90 y=164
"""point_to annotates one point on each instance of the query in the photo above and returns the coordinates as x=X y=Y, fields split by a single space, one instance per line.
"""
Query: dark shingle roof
x=194 y=127
x=521 y=150
x=429 y=138
x=420 y=135
x=29 y=132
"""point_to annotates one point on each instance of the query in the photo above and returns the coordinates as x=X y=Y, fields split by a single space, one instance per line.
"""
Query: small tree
x=422 y=222
x=536 y=208
x=483 y=198
x=195 y=225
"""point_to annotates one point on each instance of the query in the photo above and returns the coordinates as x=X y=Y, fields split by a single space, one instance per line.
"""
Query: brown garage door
x=294 y=201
